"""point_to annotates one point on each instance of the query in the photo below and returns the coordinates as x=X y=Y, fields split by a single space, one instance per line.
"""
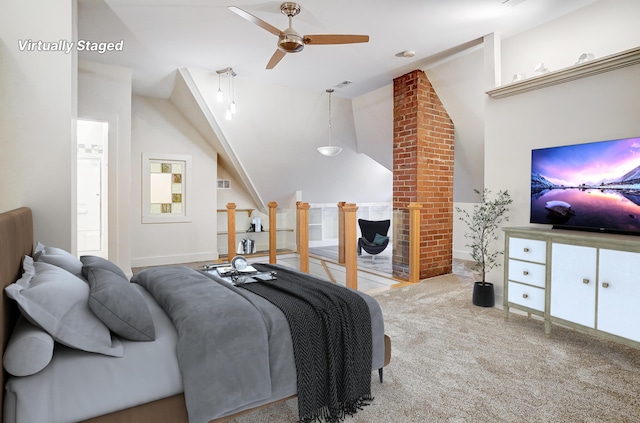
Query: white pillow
x=29 y=350
x=58 y=257
x=58 y=302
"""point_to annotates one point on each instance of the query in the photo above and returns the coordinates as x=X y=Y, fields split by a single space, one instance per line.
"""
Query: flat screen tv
x=593 y=186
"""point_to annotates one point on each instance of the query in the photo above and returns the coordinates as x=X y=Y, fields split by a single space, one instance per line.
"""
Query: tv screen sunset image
x=589 y=186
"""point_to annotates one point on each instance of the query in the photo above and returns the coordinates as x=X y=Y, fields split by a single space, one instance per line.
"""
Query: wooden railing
x=231 y=227
x=272 y=233
x=302 y=229
x=341 y=243
x=350 y=245
x=347 y=238
x=414 y=242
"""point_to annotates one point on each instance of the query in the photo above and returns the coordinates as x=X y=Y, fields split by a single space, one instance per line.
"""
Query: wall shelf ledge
x=593 y=67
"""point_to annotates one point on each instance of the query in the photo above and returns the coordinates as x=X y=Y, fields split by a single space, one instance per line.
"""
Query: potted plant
x=482 y=225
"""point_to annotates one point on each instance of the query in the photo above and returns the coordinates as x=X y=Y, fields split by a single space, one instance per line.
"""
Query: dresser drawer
x=527 y=296
x=528 y=249
x=526 y=272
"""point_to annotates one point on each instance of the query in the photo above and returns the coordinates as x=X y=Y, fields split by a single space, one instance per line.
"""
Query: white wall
x=104 y=93
x=235 y=195
x=373 y=117
x=275 y=135
x=157 y=127
x=459 y=83
x=243 y=202
x=603 y=28
x=37 y=118
x=600 y=107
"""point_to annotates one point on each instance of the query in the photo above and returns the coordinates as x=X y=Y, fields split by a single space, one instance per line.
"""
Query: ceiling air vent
x=512 y=2
x=344 y=84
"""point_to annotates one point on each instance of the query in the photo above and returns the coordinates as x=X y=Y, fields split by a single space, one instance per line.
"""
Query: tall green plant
x=483 y=224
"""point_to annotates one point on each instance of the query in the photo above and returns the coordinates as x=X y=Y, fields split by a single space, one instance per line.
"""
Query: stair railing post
x=341 y=232
x=303 y=236
x=414 y=242
x=272 y=232
x=298 y=225
x=231 y=230
x=350 y=242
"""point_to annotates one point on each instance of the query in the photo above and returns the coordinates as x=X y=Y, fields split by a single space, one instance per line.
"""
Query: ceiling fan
x=289 y=40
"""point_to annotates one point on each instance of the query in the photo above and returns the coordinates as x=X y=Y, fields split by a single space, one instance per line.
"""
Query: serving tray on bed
x=238 y=277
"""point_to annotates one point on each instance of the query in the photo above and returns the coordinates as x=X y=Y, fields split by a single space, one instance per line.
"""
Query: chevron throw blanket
x=331 y=331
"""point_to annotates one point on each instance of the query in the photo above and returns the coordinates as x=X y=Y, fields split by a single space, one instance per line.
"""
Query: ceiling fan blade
x=275 y=59
x=335 y=39
x=262 y=24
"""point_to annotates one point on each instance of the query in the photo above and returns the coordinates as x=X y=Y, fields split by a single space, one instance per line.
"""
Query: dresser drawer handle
x=525 y=295
x=585 y=281
x=526 y=249
x=605 y=284
x=525 y=272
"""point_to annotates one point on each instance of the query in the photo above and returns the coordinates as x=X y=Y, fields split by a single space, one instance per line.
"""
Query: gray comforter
x=234 y=347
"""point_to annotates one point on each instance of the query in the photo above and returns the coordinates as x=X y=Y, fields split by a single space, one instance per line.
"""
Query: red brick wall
x=422 y=173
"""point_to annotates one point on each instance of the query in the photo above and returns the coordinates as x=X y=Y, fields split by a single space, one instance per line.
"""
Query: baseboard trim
x=462 y=255
x=173 y=259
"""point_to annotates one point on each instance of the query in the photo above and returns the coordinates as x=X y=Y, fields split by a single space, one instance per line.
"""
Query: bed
x=130 y=362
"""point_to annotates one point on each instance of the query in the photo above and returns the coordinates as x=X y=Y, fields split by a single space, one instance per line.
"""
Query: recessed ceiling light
x=406 y=53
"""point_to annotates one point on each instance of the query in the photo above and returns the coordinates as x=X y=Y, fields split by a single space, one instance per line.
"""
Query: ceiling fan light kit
x=289 y=40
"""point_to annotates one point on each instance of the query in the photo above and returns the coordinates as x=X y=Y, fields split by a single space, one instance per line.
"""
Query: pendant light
x=329 y=150
x=229 y=113
x=232 y=106
x=231 y=103
x=219 y=93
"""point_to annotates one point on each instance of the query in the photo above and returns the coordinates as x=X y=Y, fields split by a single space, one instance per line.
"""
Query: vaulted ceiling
x=160 y=36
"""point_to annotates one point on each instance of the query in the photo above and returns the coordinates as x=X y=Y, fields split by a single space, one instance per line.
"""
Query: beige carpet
x=455 y=362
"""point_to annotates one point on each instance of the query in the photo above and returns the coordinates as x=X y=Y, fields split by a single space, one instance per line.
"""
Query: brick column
x=423 y=142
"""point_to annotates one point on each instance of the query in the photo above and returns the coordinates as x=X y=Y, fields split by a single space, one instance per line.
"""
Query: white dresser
x=587 y=281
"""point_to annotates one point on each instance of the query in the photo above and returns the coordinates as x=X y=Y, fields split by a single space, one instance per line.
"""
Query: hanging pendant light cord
x=330 y=90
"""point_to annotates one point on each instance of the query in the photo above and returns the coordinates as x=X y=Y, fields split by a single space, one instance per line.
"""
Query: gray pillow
x=58 y=257
x=119 y=305
x=380 y=239
x=101 y=263
x=29 y=350
x=58 y=302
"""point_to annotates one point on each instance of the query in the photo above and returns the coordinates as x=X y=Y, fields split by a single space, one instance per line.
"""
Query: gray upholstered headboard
x=16 y=241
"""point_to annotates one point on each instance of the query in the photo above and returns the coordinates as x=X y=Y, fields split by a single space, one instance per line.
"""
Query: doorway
x=92 y=188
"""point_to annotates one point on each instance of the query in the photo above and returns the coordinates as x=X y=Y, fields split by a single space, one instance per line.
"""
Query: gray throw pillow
x=29 y=350
x=119 y=305
x=57 y=301
x=380 y=239
x=101 y=263
x=57 y=257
